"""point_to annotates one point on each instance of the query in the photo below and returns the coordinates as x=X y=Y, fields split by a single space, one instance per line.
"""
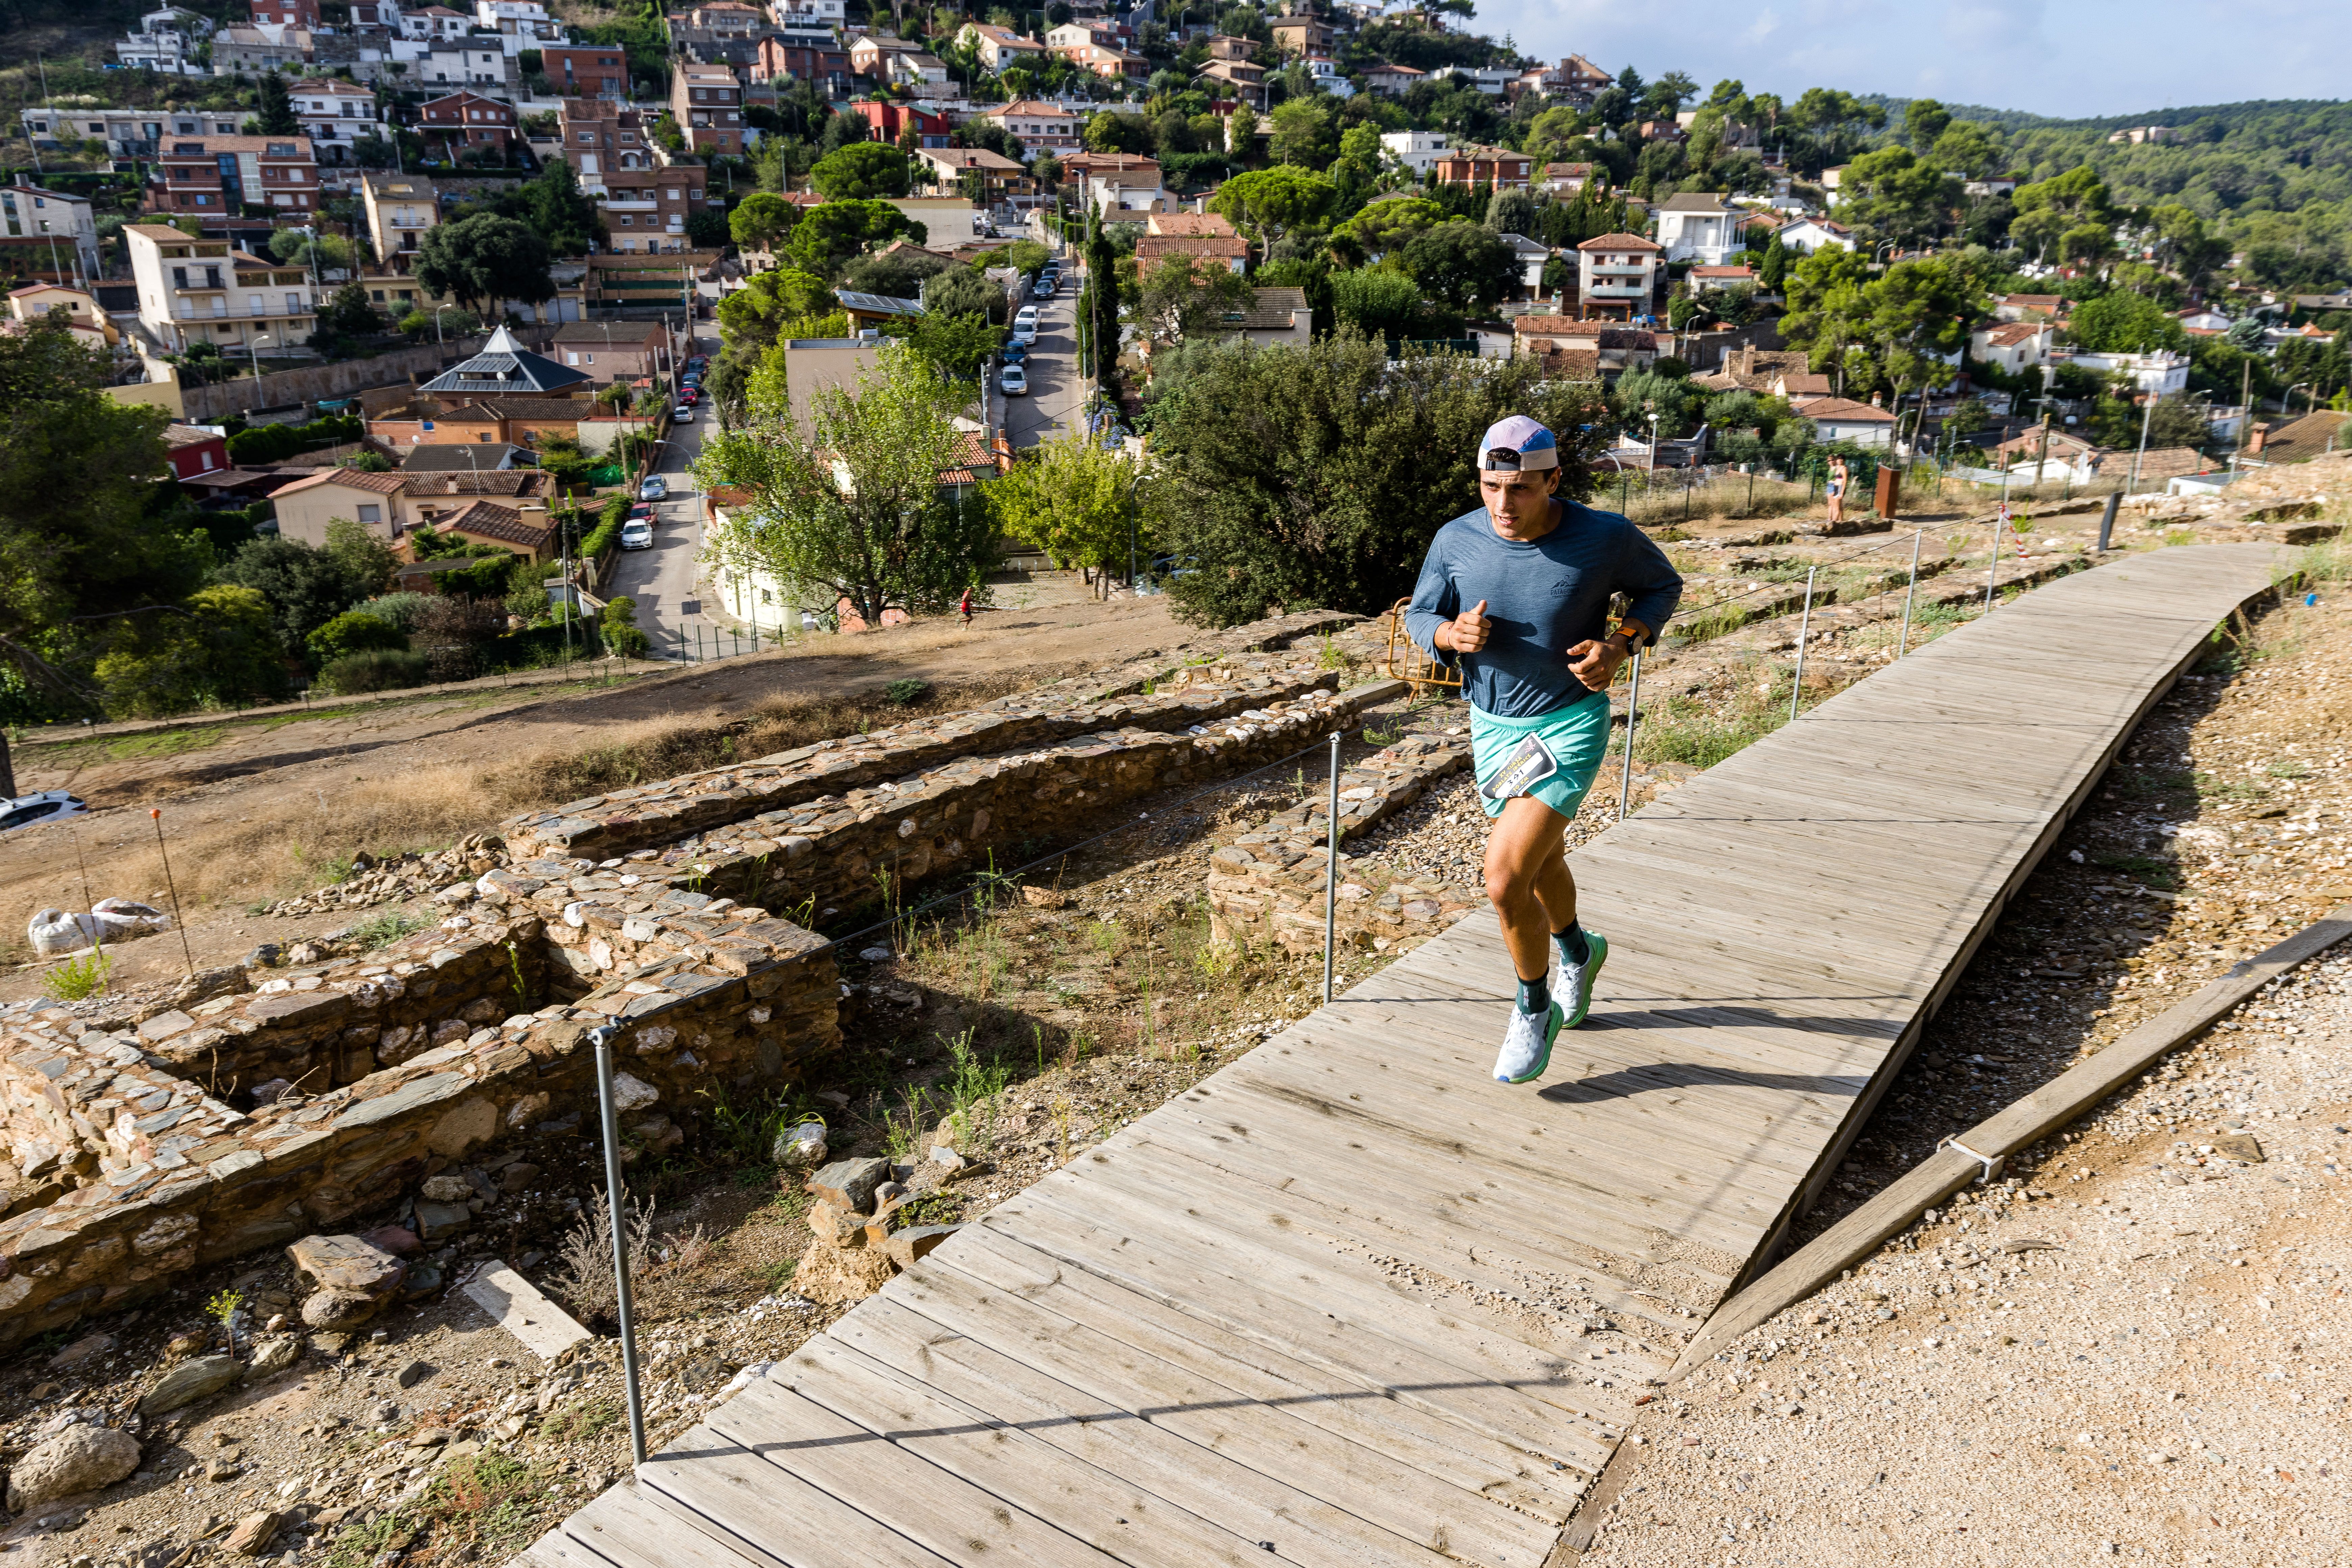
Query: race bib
x=1529 y=763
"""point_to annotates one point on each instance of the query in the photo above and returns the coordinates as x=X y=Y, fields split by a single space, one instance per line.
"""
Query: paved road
x=663 y=580
x=1056 y=390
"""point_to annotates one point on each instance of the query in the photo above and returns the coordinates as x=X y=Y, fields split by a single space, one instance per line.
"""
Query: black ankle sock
x=1535 y=996
x=1572 y=943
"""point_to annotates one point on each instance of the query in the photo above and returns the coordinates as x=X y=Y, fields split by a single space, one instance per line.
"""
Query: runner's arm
x=1436 y=602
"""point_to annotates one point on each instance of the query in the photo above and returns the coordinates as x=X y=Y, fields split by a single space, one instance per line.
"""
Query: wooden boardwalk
x=1349 y=1302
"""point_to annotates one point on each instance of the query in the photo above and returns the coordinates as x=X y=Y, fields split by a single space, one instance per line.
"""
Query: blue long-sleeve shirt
x=1543 y=597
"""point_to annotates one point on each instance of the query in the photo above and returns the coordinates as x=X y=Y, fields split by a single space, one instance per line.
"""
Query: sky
x=2065 y=59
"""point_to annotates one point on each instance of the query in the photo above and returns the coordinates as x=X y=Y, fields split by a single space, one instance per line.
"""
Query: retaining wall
x=205 y=405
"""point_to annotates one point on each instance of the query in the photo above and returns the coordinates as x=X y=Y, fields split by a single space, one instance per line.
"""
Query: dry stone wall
x=1266 y=886
x=279 y=1102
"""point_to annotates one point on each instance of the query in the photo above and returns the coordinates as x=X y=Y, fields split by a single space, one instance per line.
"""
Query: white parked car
x=636 y=534
x=50 y=806
x=1013 y=380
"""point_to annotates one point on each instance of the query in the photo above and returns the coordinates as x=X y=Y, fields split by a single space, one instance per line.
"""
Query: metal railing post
x=2107 y=519
x=610 y=1121
x=1632 y=717
x=1993 y=572
x=1331 y=875
x=1903 y=642
x=1804 y=626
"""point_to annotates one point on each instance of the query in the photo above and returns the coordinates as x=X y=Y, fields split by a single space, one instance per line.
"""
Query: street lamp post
x=254 y=345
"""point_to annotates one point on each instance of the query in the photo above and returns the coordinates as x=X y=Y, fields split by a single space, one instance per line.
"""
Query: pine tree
x=275 y=114
x=1776 y=265
x=1102 y=272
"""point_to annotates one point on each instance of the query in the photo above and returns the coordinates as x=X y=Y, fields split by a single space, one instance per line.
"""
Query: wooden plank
x=895 y=1487
x=537 y=1325
x=630 y=1528
x=1098 y=1507
x=958 y=1367
x=724 y=1497
x=1490 y=1441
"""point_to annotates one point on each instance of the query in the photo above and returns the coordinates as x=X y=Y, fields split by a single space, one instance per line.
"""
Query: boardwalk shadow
x=1666 y=1078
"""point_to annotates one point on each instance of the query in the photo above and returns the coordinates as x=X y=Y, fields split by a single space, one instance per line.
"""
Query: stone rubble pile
x=398 y=877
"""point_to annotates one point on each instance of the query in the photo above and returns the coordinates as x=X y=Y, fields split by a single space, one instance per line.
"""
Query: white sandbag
x=54 y=931
x=122 y=919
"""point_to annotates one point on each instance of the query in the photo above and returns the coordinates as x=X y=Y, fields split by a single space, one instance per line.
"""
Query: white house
x=334 y=114
x=1416 y=149
x=1532 y=254
x=1694 y=226
x=821 y=14
x=1843 y=419
x=55 y=230
x=2162 y=374
x=166 y=41
x=1616 y=271
x=2012 y=345
x=434 y=23
x=1807 y=235
x=1325 y=70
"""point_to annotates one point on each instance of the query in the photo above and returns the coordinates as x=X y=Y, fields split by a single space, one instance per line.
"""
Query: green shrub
x=400 y=609
x=378 y=670
x=354 y=631
x=905 y=693
x=621 y=633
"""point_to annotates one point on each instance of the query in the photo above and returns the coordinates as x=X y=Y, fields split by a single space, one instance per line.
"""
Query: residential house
x=599 y=136
x=646 y=209
x=590 y=71
x=442 y=458
x=376 y=17
x=204 y=291
x=657 y=272
x=2202 y=322
x=1115 y=64
x=1723 y=277
x=466 y=65
x=2144 y=135
x=1494 y=81
x=1806 y=234
x=48 y=234
x=1274 y=316
x=989 y=179
x=1205 y=251
x=1302 y=35
x=890 y=121
x=1580 y=78
x=126 y=132
x=706 y=102
x=2032 y=308
x=1661 y=131
x=251 y=51
x=166 y=42
x=1324 y=72
x=1416 y=149
x=467 y=121
x=1001 y=48
x=1750 y=369
x=434 y=24
x=869 y=53
x=2294 y=440
x=607 y=351
x=1617 y=271
x=1694 y=226
x=1116 y=182
x=1182 y=224
x=729 y=17
x=1392 y=80
x=1078 y=34
x=1040 y=127
x=399 y=208
x=2050 y=454
x=1565 y=179
x=220 y=176
x=1531 y=256
x=1236 y=79
x=1831 y=180
x=1573 y=348
x=2162 y=374
x=1996 y=185
x=285 y=14
x=819 y=16
x=85 y=317
x=334 y=114
x=2012 y=345
x=1224 y=46
x=1498 y=167
x=393 y=505
x=195 y=449
x=1843 y=419
x=800 y=56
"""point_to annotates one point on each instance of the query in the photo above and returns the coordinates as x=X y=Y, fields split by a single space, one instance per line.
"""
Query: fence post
x=601 y=1039
x=1903 y=643
x=1993 y=572
x=1331 y=874
x=2107 y=519
x=1804 y=625
x=1750 y=510
x=1632 y=717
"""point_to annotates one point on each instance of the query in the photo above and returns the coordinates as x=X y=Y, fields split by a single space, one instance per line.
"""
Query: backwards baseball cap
x=1517 y=445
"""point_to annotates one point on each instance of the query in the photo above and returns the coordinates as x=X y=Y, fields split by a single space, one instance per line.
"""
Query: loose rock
x=78 y=1460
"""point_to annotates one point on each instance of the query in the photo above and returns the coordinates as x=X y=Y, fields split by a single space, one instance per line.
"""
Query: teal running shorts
x=1575 y=737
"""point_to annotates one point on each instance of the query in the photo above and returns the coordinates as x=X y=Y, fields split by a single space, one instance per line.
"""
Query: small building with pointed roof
x=505 y=369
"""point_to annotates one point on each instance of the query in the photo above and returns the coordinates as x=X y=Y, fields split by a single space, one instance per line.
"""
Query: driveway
x=663 y=580
x=1057 y=391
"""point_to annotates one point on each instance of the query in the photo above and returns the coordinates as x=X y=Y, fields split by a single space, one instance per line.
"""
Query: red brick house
x=463 y=120
x=889 y=121
x=587 y=70
x=302 y=14
x=194 y=450
x=212 y=176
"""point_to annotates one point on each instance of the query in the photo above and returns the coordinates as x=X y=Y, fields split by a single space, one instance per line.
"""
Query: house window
x=371 y=512
x=293 y=304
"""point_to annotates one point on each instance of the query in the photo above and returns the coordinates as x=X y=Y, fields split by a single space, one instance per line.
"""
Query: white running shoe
x=1526 y=1045
x=1575 y=981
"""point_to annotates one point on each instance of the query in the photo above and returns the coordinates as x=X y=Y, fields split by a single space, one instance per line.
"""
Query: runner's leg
x=1527 y=879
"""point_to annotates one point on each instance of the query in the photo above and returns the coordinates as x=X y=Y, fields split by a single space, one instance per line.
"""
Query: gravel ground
x=2129 y=1347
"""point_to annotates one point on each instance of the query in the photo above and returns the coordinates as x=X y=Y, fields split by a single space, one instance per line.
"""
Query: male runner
x=1517 y=594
